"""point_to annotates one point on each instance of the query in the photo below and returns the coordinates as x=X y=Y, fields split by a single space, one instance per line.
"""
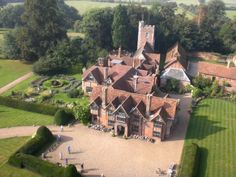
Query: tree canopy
x=120 y=27
x=43 y=27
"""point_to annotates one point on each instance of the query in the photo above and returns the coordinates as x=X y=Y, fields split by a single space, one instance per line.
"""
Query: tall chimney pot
x=148 y=104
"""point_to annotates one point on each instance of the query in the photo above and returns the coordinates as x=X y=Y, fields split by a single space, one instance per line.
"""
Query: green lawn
x=10 y=117
x=212 y=127
x=11 y=70
x=9 y=146
x=21 y=86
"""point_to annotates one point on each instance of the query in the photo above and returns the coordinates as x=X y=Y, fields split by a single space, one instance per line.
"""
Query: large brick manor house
x=122 y=86
x=121 y=90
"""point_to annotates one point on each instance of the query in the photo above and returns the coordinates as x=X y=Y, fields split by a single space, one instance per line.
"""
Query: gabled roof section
x=161 y=113
x=168 y=104
x=96 y=72
x=97 y=101
x=176 y=56
x=141 y=107
x=116 y=102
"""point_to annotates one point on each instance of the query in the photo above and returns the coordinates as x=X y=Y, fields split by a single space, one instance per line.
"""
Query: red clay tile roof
x=122 y=77
x=168 y=104
x=217 y=70
x=153 y=58
x=127 y=60
x=176 y=55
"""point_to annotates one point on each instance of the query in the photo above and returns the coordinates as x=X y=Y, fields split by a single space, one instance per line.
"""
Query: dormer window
x=94 y=107
x=90 y=77
x=157 y=124
x=121 y=116
x=110 y=113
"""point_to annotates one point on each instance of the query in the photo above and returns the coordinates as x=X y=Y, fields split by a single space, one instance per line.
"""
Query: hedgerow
x=189 y=161
x=28 y=106
x=24 y=157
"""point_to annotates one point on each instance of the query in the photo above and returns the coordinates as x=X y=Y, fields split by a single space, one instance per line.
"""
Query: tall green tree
x=10 y=47
x=60 y=58
x=97 y=27
x=70 y=13
x=120 y=27
x=43 y=28
x=10 y=16
x=228 y=35
x=163 y=17
x=135 y=14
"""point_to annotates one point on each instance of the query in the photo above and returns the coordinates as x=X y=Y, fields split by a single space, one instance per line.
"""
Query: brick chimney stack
x=105 y=73
x=119 y=52
x=104 y=96
x=148 y=104
x=135 y=82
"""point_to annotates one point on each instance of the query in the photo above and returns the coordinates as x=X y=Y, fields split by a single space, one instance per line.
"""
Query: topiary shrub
x=63 y=117
x=73 y=93
x=71 y=171
x=23 y=158
x=44 y=132
x=42 y=139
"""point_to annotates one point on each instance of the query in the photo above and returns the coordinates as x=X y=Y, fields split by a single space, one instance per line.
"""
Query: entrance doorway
x=120 y=130
x=94 y=119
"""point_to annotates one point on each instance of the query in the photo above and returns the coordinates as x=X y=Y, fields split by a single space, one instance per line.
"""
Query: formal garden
x=59 y=90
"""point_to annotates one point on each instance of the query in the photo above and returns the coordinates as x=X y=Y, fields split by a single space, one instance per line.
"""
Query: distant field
x=73 y=35
x=9 y=146
x=84 y=6
x=231 y=13
x=11 y=70
x=212 y=127
x=227 y=2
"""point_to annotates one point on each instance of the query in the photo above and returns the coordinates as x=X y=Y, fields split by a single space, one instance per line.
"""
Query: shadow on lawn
x=200 y=127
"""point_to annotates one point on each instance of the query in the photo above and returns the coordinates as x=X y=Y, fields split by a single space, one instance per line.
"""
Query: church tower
x=146 y=34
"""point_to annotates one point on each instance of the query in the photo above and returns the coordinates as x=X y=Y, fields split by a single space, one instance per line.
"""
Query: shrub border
x=25 y=157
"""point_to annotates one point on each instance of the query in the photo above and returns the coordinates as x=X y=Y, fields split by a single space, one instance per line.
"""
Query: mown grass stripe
x=212 y=126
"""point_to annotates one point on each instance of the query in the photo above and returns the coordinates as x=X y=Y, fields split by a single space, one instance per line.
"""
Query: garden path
x=15 y=82
x=22 y=131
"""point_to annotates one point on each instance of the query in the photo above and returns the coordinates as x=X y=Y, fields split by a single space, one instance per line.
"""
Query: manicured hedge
x=23 y=158
x=190 y=161
x=42 y=139
x=27 y=106
x=63 y=117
